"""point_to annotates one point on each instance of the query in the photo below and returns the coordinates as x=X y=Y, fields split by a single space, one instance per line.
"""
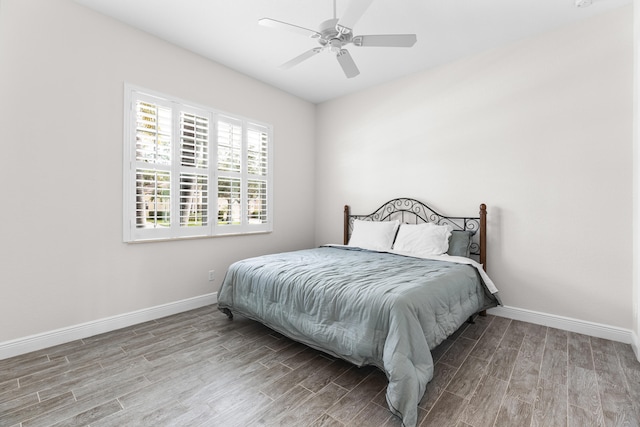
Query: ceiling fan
x=334 y=34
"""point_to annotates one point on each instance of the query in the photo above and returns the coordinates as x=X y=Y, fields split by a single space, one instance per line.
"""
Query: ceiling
x=227 y=32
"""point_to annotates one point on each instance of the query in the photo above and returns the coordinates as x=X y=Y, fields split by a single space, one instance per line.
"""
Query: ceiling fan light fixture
x=584 y=3
x=336 y=45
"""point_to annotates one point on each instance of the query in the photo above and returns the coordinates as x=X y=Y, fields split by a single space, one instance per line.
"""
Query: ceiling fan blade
x=298 y=59
x=272 y=23
x=346 y=62
x=386 y=40
x=352 y=14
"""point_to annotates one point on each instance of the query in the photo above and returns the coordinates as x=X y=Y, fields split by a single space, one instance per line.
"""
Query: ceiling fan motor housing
x=329 y=35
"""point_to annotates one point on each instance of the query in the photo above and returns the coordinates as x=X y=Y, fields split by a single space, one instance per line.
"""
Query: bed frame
x=412 y=211
x=399 y=318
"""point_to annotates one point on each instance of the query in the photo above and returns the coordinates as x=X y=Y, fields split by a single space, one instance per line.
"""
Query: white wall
x=62 y=261
x=540 y=131
x=636 y=177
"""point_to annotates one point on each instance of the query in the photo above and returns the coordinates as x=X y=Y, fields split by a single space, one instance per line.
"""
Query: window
x=193 y=171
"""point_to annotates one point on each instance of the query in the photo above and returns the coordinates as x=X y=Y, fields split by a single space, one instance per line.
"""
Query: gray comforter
x=369 y=308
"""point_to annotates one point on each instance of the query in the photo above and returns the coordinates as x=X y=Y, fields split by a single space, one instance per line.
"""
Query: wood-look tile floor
x=199 y=369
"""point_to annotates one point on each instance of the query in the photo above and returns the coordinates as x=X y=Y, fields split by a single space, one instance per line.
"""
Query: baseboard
x=71 y=333
x=635 y=344
x=84 y=330
x=566 y=323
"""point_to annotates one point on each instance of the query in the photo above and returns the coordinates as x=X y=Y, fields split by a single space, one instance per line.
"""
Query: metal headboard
x=412 y=211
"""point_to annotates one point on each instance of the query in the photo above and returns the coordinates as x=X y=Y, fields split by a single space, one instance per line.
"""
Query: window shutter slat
x=257 y=202
x=229 y=201
x=229 y=146
x=194 y=200
x=257 y=154
x=153 y=198
x=153 y=133
x=194 y=140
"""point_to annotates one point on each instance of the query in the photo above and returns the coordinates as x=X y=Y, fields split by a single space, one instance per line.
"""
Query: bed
x=404 y=279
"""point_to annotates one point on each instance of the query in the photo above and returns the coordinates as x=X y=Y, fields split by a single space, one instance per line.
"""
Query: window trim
x=131 y=233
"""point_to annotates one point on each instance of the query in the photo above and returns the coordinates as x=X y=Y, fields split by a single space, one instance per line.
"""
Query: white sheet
x=459 y=260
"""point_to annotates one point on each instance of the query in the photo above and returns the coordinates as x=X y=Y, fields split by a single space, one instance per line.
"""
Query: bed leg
x=483 y=313
x=470 y=320
x=228 y=313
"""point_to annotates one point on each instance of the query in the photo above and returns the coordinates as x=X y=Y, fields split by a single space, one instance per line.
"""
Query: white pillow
x=423 y=239
x=373 y=235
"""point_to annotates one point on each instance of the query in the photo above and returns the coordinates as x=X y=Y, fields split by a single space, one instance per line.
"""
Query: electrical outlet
x=212 y=275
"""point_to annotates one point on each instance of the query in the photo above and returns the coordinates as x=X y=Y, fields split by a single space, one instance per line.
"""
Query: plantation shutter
x=153 y=153
x=229 y=172
x=243 y=176
x=191 y=171
x=257 y=171
x=194 y=144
